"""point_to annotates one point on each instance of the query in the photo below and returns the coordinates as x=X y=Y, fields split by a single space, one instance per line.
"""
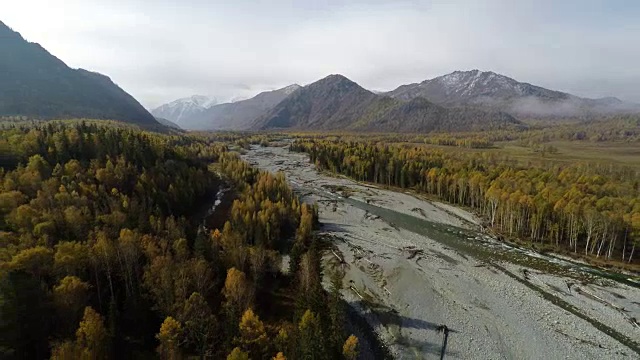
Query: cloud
x=162 y=50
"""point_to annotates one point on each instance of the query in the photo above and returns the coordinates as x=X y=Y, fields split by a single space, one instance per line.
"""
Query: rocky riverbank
x=412 y=265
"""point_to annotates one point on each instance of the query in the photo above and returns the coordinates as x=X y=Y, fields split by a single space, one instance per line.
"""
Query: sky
x=160 y=50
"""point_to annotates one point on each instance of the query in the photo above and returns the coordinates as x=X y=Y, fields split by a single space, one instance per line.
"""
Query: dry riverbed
x=413 y=265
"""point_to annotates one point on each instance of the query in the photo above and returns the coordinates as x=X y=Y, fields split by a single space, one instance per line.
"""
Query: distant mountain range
x=337 y=103
x=35 y=83
x=182 y=110
x=489 y=90
x=240 y=114
x=460 y=101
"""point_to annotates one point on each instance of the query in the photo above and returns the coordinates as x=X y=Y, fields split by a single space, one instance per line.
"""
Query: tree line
x=577 y=207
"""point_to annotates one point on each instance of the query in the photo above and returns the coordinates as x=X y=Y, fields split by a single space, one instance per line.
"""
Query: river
x=413 y=265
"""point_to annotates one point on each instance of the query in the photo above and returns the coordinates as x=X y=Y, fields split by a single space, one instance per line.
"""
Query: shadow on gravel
x=400 y=326
x=376 y=348
x=412 y=323
x=389 y=316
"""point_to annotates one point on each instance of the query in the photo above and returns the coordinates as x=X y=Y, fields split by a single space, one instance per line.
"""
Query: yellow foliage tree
x=253 y=337
x=70 y=297
x=311 y=342
x=237 y=290
x=91 y=336
x=70 y=258
x=67 y=350
x=282 y=340
x=169 y=336
x=238 y=354
x=350 y=348
x=38 y=261
x=216 y=236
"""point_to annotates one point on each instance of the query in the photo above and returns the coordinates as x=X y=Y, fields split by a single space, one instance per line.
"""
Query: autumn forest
x=110 y=247
x=586 y=207
x=103 y=254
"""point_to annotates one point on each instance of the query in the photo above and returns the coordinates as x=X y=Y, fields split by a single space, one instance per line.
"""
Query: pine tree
x=199 y=324
x=311 y=342
x=336 y=311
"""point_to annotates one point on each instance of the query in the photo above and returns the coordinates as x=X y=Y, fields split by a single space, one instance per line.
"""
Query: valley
x=412 y=265
x=399 y=203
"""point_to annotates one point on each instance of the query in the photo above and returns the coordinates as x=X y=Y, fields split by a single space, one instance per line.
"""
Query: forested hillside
x=582 y=208
x=102 y=254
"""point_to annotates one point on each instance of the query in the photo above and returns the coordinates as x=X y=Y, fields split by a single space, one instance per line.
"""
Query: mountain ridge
x=168 y=123
x=499 y=92
x=180 y=110
x=239 y=115
x=337 y=103
x=326 y=102
x=38 y=84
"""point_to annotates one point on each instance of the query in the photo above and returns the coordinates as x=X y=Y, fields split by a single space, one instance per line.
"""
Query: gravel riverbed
x=407 y=283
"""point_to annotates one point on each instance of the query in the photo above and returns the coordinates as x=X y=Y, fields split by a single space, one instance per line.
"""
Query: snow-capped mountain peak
x=472 y=87
x=184 y=108
x=498 y=92
x=474 y=81
x=290 y=89
x=196 y=100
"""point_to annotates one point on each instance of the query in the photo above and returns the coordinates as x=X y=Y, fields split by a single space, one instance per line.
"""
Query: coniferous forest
x=103 y=251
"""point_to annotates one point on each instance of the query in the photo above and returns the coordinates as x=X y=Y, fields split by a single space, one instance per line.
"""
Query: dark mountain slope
x=421 y=115
x=334 y=102
x=337 y=103
x=36 y=83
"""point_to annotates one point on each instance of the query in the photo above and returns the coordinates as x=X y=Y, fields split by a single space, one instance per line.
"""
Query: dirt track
x=412 y=265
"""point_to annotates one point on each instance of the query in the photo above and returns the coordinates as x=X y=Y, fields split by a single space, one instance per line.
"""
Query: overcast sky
x=160 y=50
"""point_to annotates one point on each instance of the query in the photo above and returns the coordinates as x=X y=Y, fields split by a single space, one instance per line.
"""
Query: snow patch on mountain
x=290 y=89
x=498 y=92
x=184 y=108
x=476 y=82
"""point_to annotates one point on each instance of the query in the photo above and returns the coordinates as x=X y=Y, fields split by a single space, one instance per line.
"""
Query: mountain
x=498 y=92
x=238 y=115
x=168 y=123
x=36 y=83
x=337 y=103
x=181 y=110
x=331 y=103
x=421 y=116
